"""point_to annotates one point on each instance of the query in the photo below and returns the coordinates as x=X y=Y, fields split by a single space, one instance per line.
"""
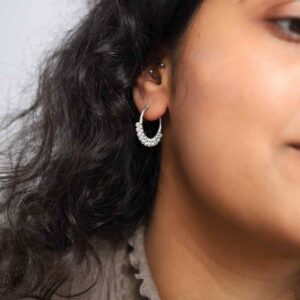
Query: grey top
x=126 y=273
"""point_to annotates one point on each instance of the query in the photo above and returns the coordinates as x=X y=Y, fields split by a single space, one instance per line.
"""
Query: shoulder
x=115 y=280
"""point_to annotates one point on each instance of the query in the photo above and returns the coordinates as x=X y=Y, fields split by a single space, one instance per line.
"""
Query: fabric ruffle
x=138 y=259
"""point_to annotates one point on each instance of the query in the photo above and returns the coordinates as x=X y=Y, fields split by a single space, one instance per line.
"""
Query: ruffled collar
x=138 y=259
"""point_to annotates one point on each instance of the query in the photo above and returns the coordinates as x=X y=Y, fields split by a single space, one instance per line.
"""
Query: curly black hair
x=74 y=171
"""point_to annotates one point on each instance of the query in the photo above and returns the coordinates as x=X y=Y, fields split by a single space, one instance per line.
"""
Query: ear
x=154 y=89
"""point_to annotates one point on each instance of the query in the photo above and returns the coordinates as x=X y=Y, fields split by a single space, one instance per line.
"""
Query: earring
x=162 y=65
x=149 y=142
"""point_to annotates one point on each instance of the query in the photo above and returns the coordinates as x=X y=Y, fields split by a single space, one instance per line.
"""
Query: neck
x=206 y=257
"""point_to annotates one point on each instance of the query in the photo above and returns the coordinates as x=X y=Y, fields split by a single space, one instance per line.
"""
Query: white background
x=29 y=28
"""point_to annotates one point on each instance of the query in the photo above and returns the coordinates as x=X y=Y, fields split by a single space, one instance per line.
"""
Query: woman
x=160 y=157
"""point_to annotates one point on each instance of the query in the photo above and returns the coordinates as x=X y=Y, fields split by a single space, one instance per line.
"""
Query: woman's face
x=236 y=112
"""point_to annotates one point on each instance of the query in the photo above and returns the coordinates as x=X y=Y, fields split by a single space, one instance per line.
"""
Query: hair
x=74 y=171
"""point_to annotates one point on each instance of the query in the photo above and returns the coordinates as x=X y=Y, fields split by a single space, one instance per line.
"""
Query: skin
x=226 y=220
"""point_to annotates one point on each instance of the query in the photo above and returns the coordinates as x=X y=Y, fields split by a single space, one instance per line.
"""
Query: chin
x=281 y=235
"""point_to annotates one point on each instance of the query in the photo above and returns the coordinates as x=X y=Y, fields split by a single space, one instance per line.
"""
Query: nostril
x=296 y=146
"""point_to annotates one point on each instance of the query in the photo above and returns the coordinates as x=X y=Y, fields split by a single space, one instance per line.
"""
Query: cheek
x=219 y=144
x=222 y=122
x=227 y=134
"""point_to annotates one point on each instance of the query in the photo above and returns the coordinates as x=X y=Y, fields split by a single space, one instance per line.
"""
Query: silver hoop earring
x=149 y=142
